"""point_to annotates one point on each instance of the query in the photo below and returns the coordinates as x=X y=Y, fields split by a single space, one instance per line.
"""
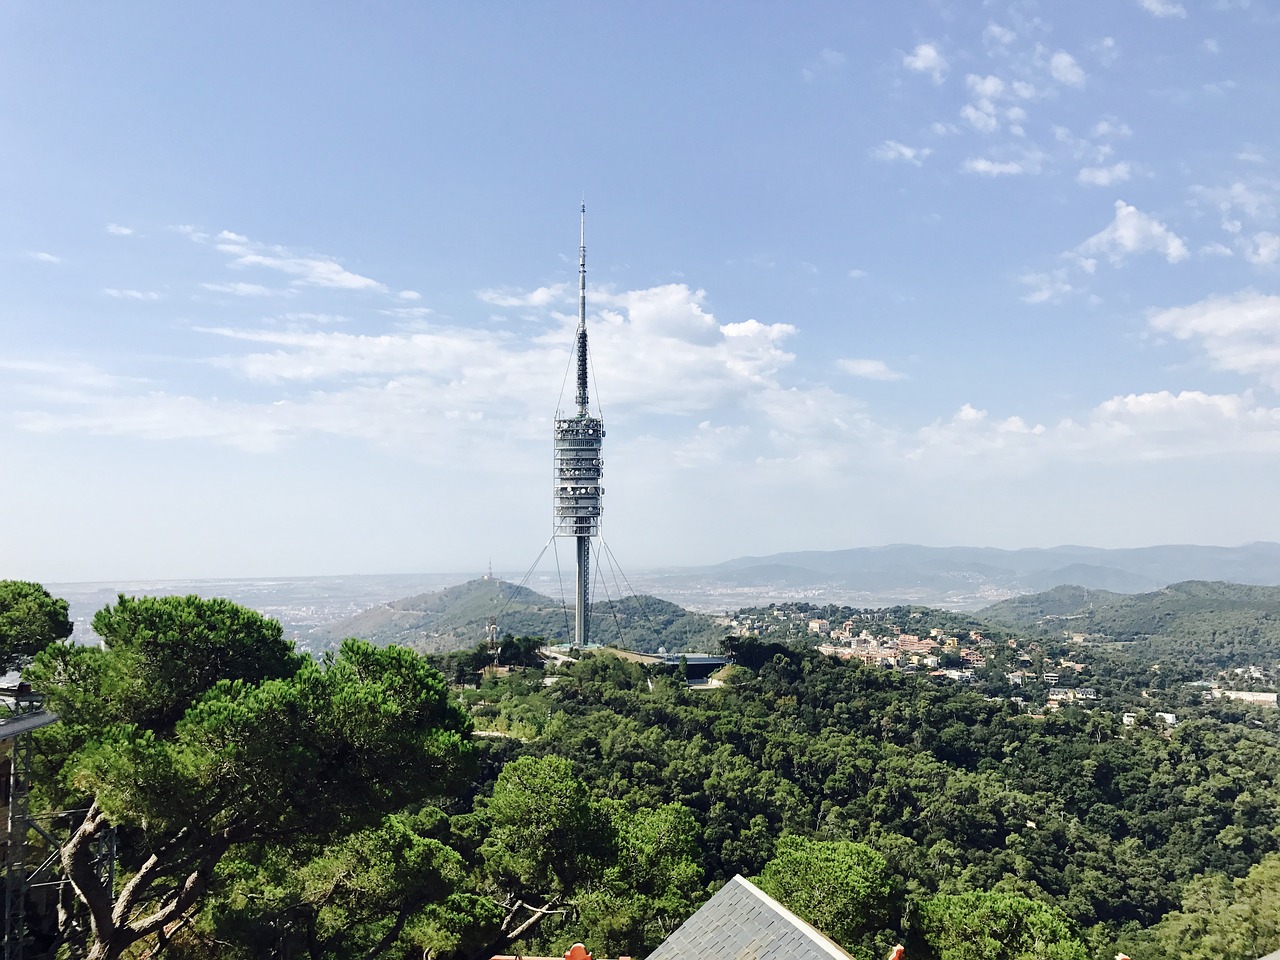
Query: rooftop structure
x=741 y=920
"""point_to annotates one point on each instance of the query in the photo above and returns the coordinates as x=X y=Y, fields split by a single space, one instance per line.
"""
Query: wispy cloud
x=248 y=289
x=869 y=369
x=1104 y=176
x=993 y=168
x=1046 y=287
x=132 y=294
x=116 y=230
x=892 y=150
x=45 y=257
x=541 y=297
x=314 y=270
x=1163 y=8
x=826 y=63
x=1110 y=127
x=317 y=271
x=1254 y=198
x=995 y=33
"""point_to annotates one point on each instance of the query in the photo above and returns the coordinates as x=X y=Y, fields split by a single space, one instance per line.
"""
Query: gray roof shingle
x=742 y=922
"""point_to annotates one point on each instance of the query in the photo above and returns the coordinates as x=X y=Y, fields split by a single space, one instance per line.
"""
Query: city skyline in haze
x=291 y=290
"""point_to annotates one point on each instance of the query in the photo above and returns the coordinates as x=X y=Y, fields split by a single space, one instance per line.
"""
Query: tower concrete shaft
x=579 y=463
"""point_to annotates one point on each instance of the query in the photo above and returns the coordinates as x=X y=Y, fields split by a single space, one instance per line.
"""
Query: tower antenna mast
x=579 y=462
x=582 y=317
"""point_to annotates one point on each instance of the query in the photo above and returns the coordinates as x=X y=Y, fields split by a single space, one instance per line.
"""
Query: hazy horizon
x=543 y=570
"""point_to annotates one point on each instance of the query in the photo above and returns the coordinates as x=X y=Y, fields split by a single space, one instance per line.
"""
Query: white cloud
x=247 y=289
x=1264 y=249
x=869 y=369
x=1256 y=199
x=409 y=295
x=1163 y=8
x=857 y=273
x=1104 y=176
x=664 y=349
x=131 y=294
x=1154 y=426
x=992 y=168
x=1240 y=333
x=971 y=431
x=927 y=58
x=119 y=231
x=1164 y=425
x=1111 y=127
x=980 y=119
x=437 y=389
x=892 y=150
x=988 y=87
x=1211 y=46
x=1132 y=231
x=45 y=257
x=1066 y=70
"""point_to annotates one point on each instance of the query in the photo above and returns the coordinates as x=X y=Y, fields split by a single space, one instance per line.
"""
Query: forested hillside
x=265 y=804
x=455 y=619
x=1196 y=623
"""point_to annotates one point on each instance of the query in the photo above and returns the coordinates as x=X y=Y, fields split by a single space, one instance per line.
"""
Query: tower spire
x=582 y=397
x=579 y=461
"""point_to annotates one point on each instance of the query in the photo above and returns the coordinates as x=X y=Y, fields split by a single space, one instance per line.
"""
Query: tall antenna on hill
x=579 y=461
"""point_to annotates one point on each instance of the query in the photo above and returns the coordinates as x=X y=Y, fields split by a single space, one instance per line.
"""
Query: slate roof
x=742 y=922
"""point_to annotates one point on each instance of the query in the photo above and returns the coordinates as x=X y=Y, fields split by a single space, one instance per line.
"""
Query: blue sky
x=290 y=288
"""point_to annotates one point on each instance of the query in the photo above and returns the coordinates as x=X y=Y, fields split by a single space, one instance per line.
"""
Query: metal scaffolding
x=26 y=713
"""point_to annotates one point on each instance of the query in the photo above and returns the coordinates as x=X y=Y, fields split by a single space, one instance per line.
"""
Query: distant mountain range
x=317 y=611
x=966 y=577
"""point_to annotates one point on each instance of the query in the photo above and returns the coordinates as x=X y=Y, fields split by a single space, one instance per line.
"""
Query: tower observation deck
x=579 y=462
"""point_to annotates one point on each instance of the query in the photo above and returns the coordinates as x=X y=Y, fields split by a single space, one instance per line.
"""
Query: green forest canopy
x=268 y=804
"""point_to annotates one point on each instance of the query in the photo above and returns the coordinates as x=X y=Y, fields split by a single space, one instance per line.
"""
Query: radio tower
x=579 y=463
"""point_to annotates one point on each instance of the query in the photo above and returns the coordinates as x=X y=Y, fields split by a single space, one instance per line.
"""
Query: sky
x=290 y=288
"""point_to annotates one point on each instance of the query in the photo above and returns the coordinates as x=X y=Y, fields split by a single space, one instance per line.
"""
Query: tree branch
x=509 y=937
x=77 y=862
